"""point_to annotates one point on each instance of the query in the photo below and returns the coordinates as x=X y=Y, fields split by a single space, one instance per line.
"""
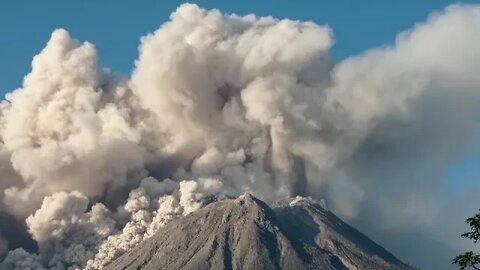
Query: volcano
x=246 y=233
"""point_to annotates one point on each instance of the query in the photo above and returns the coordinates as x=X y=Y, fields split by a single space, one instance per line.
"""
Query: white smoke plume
x=68 y=128
x=233 y=104
x=19 y=259
x=70 y=235
x=148 y=208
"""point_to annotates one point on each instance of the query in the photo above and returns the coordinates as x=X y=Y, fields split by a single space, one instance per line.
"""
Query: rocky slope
x=245 y=233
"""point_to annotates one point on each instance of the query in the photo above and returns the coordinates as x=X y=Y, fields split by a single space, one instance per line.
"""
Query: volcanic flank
x=245 y=233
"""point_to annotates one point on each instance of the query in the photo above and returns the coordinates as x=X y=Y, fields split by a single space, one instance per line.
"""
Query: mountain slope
x=245 y=233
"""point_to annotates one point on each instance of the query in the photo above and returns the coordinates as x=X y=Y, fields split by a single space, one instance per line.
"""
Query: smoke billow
x=219 y=105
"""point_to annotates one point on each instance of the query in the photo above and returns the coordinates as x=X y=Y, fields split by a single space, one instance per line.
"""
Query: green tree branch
x=470 y=259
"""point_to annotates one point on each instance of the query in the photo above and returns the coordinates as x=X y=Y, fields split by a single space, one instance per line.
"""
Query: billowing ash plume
x=219 y=105
x=70 y=234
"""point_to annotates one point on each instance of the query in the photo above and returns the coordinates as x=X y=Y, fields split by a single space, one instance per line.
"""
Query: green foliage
x=470 y=259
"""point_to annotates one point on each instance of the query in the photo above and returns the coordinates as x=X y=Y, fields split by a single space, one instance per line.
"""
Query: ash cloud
x=219 y=105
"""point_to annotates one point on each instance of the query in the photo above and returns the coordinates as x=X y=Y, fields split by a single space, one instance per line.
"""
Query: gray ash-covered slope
x=245 y=233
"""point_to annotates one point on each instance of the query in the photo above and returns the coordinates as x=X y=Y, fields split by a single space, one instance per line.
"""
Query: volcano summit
x=245 y=233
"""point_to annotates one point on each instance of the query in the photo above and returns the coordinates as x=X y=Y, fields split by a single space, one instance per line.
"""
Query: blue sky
x=115 y=28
